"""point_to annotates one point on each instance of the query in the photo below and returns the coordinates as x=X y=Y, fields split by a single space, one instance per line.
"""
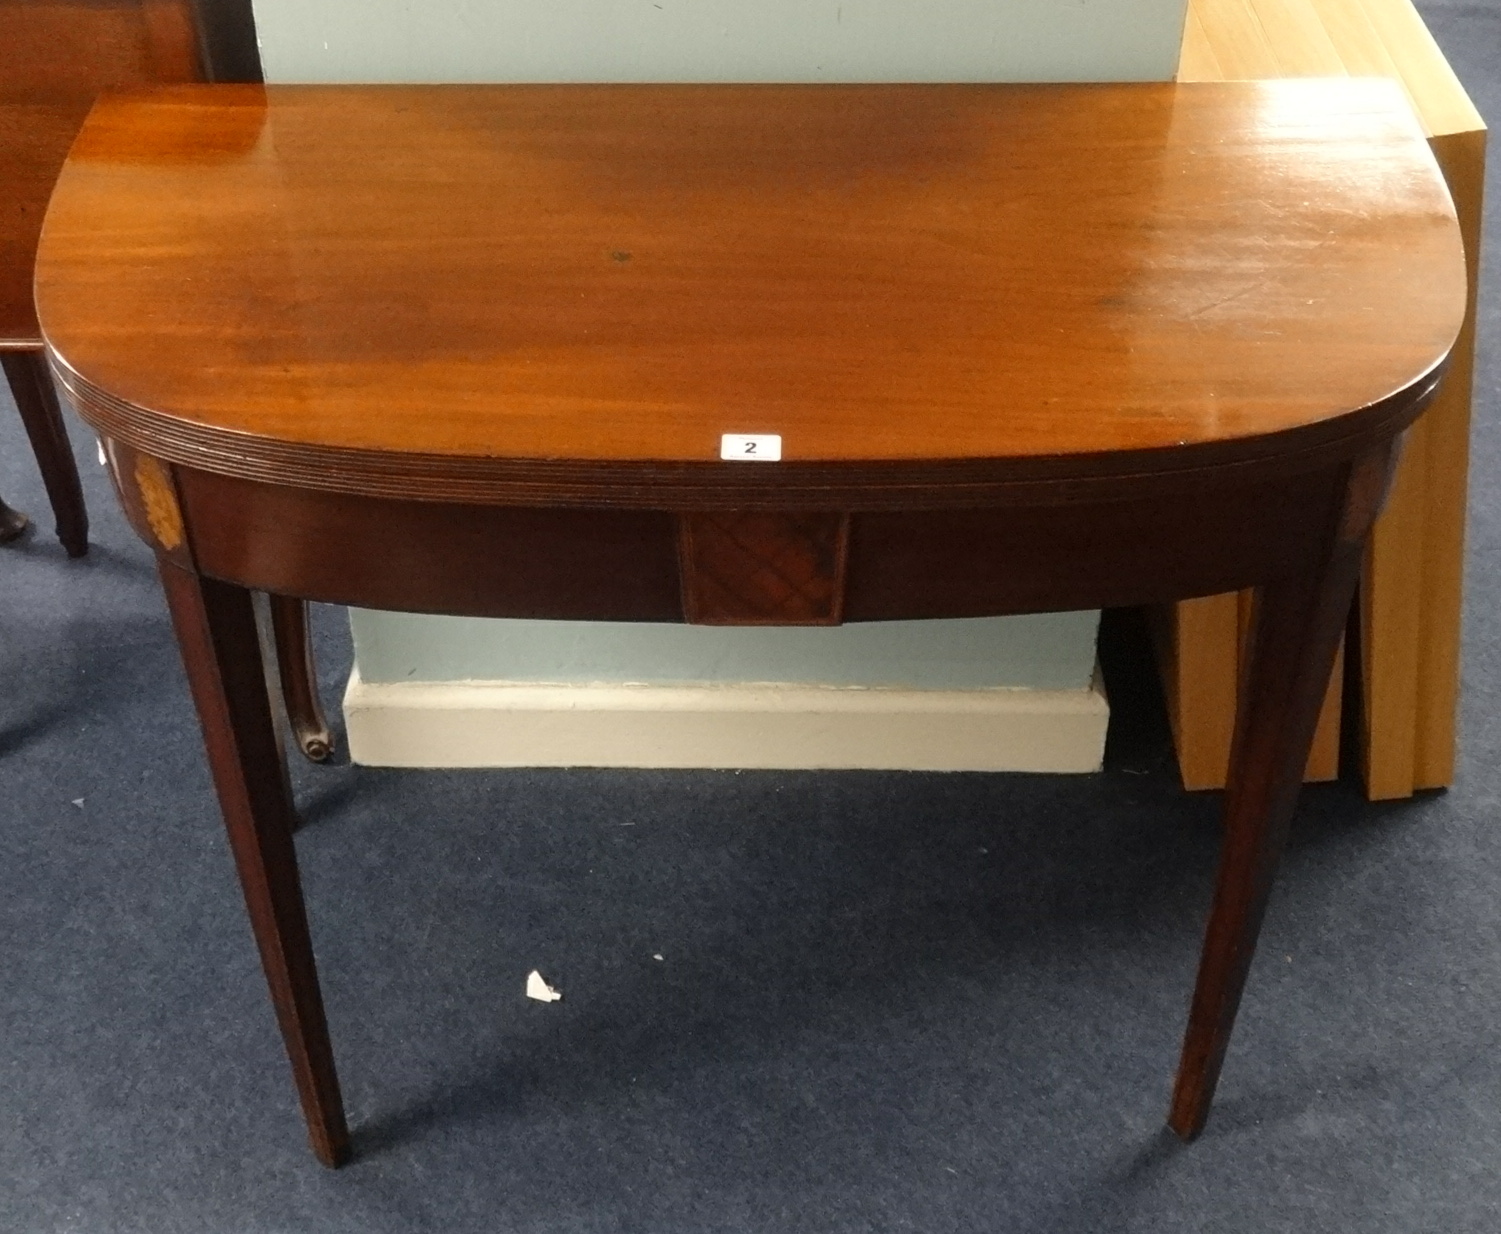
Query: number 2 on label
x=751 y=447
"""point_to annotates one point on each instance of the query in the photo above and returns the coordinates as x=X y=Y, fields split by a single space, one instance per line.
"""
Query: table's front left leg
x=216 y=631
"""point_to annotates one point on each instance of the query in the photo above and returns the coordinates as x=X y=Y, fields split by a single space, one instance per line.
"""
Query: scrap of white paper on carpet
x=539 y=989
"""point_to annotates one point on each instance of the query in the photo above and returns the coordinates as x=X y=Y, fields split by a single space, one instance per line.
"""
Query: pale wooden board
x=1391 y=625
x=1198 y=652
x=1462 y=158
x=1323 y=754
x=1240 y=45
x=1355 y=38
x=1200 y=644
x=1299 y=42
x=1196 y=60
x=1411 y=597
x=1439 y=97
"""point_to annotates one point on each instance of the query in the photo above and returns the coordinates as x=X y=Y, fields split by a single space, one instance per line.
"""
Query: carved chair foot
x=299 y=679
x=316 y=747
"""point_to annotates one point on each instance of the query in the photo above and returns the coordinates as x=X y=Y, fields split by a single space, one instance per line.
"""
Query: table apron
x=639 y=565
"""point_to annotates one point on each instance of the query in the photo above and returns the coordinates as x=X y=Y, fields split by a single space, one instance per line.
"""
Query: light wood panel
x=1411 y=595
x=1197 y=645
x=55 y=56
x=1461 y=157
x=1201 y=645
x=52 y=48
x=1299 y=43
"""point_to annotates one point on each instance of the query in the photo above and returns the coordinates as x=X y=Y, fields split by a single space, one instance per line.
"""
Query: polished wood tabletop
x=319 y=282
x=34 y=140
x=495 y=350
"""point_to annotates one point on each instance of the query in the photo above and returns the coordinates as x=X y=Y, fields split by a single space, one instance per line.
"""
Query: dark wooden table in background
x=475 y=350
x=56 y=56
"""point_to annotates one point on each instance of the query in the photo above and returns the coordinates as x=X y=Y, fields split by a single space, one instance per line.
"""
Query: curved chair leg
x=299 y=678
x=12 y=523
x=37 y=402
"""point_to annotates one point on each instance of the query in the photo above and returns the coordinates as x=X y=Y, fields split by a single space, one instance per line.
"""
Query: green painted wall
x=719 y=40
x=1053 y=651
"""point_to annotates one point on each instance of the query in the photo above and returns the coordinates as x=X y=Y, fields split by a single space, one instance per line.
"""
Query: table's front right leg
x=216 y=633
x=1296 y=626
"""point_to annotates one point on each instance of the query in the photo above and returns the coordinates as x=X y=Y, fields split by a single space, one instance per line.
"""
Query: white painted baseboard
x=504 y=724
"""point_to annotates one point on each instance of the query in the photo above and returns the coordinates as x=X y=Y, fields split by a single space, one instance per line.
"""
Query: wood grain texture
x=1461 y=157
x=1324 y=753
x=1297 y=39
x=1411 y=604
x=34 y=141
x=66 y=48
x=1197 y=642
x=55 y=57
x=748 y=568
x=126 y=467
x=1196 y=58
x=825 y=261
x=1238 y=45
x=1391 y=632
x=1438 y=96
x=1356 y=39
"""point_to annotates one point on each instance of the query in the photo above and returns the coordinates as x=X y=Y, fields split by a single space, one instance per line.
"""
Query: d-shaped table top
x=391 y=288
x=1024 y=348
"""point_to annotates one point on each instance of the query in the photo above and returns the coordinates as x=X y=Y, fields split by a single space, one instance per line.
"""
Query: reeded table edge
x=855 y=485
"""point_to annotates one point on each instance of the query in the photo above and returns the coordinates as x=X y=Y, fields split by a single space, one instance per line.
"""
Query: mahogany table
x=752 y=355
x=54 y=59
